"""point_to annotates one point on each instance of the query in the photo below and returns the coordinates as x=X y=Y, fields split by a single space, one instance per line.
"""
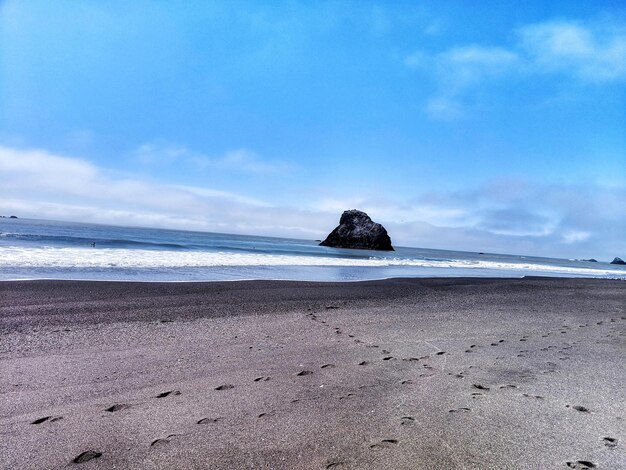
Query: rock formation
x=357 y=230
x=618 y=261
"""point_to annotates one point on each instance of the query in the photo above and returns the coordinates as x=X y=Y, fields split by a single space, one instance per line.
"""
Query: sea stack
x=618 y=261
x=356 y=230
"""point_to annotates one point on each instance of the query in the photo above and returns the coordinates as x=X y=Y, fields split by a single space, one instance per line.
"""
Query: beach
x=450 y=373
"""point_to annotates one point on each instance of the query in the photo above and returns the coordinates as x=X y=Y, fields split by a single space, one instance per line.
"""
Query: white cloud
x=246 y=160
x=214 y=193
x=575 y=236
x=470 y=64
x=504 y=216
x=444 y=108
x=587 y=53
x=162 y=152
x=37 y=183
x=596 y=54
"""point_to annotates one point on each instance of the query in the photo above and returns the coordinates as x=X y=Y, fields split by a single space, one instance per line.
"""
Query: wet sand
x=395 y=374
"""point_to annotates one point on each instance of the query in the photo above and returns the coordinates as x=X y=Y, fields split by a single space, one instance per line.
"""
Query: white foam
x=111 y=258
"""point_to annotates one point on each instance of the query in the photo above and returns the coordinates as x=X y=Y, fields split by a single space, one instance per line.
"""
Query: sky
x=481 y=126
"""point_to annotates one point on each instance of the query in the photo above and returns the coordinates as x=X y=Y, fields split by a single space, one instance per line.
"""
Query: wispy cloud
x=239 y=160
x=445 y=108
x=37 y=183
x=593 y=53
x=503 y=216
x=468 y=65
x=248 y=161
x=590 y=53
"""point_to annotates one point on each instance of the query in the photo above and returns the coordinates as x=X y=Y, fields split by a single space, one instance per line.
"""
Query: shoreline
x=373 y=279
x=450 y=373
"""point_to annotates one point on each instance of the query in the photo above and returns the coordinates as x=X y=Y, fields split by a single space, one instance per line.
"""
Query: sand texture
x=396 y=374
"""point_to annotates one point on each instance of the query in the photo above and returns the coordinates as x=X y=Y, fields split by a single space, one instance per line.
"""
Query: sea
x=44 y=249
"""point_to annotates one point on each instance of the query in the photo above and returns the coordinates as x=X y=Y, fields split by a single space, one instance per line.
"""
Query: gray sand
x=403 y=373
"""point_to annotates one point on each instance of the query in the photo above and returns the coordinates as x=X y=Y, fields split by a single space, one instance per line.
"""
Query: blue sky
x=486 y=126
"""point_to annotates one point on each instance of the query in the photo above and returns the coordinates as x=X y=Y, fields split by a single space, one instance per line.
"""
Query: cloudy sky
x=483 y=126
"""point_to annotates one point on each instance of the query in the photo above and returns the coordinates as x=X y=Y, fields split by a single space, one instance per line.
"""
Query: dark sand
x=404 y=373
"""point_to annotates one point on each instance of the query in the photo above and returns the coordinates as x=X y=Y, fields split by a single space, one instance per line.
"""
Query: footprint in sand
x=158 y=442
x=610 y=442
x=168 y=393
x=581 y=464
x=87 y=456
x=480 y=387
x=538 y=397
x=582 y=409
x=335 y=465
x=208 y=420
x=161 y=441
x=117 y=407
x=49 y=419
x=349 y=395
x=460 y=410
x=384 y=444
x=225 y=387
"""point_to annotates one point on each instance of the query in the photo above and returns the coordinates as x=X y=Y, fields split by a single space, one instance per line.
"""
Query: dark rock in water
x=618 y=261
x=357 y=230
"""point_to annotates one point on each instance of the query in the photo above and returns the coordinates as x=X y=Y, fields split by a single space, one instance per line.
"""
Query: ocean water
x=41 y=249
